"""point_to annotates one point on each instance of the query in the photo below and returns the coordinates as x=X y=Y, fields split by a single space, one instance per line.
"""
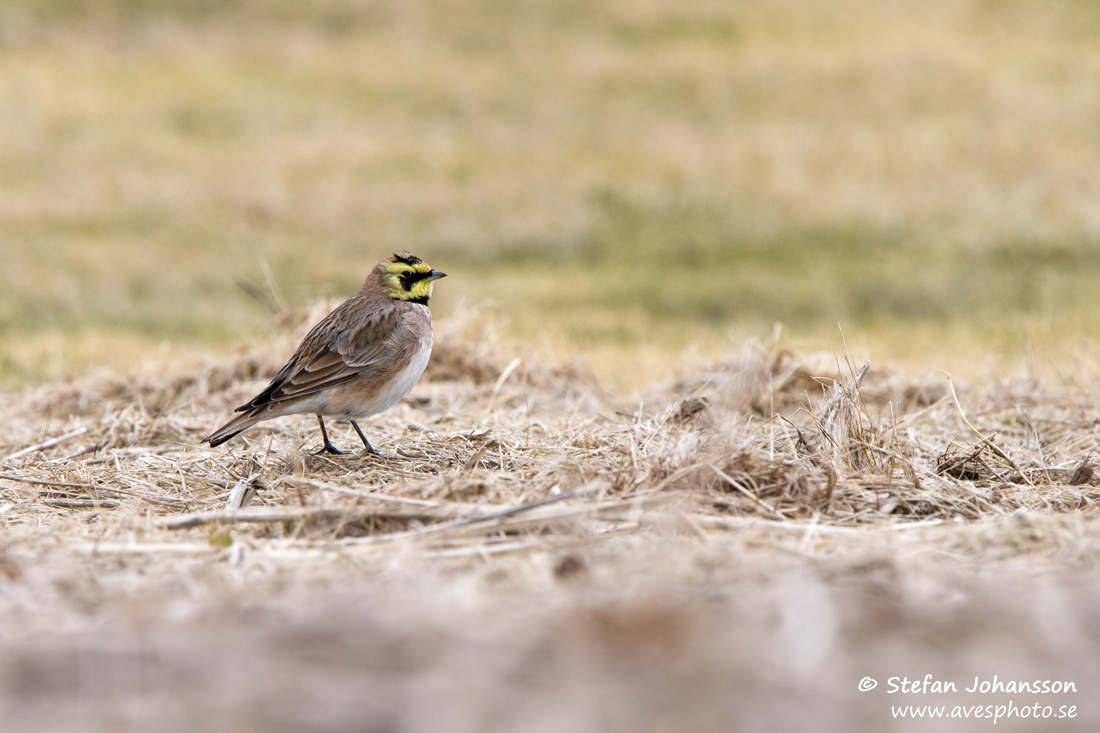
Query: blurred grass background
x=627 y=179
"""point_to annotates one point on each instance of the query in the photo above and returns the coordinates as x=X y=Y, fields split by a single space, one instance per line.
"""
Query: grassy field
x=687 y=203
x=626 y=180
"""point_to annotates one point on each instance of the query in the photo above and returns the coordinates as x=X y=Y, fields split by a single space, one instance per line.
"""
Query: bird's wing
x=338 y=349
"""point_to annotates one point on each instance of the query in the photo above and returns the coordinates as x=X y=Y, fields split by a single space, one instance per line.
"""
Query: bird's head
x=405 y=276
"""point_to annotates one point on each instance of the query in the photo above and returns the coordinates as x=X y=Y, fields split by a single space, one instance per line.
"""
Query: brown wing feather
x=340 y=348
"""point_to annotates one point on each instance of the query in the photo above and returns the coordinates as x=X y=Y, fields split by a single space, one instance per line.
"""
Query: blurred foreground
x=782 y=652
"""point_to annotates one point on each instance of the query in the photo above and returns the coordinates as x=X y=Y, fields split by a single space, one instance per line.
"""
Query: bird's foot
x=328 y=446
x=368 y=449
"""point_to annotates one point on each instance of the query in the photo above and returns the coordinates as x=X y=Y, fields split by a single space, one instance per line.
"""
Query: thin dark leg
x=366 y=443
x=329 y=447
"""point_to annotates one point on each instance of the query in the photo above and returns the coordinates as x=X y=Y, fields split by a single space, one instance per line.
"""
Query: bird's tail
x=233 y=428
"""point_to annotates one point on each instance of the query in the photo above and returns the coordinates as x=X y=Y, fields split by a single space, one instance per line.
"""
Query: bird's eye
x=408 y=279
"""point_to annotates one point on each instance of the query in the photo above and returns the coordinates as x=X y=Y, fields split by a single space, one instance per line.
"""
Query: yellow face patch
x=407 y=277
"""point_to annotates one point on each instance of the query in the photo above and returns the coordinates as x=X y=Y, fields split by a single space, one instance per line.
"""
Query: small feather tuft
x=407 y=257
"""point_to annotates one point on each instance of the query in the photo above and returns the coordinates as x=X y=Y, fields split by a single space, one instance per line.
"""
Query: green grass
x=627 y=179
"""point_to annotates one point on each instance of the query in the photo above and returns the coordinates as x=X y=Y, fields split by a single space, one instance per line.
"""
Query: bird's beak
x=436 y=274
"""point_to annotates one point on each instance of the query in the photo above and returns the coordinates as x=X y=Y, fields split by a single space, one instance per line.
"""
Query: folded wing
x=337 y=350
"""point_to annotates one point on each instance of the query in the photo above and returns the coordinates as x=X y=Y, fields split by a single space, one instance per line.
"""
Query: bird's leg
x=328 y=447
x=366 y=443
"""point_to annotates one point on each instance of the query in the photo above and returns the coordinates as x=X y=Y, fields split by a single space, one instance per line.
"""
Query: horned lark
x=359 y=360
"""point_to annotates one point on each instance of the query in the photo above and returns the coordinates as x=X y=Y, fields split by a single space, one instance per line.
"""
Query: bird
x=358 y=361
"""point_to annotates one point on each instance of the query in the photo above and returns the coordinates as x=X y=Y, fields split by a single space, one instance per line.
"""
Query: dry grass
x=538 y=554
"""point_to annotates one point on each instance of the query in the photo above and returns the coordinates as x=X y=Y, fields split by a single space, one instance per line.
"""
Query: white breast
x=400 y=386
